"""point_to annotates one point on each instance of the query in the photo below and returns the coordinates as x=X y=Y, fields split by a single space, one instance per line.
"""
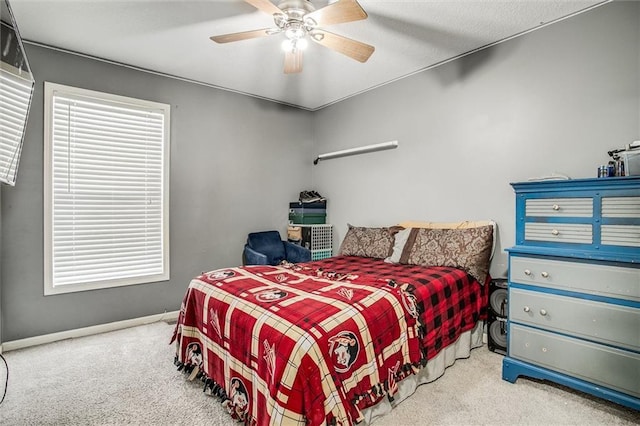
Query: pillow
x=446 y=225
x=455 y=225
x=400 y=239
x=467 y=249
x=367 y=242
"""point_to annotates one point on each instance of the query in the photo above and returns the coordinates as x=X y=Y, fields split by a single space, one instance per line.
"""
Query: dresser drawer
x=625 y=207
x=559 y=207
x=559 y=232
x=613 y=368
x=600 y=279
x=621 y=235
x=602 y=322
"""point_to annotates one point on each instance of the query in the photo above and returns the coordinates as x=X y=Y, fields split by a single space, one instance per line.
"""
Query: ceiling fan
x=299 y=20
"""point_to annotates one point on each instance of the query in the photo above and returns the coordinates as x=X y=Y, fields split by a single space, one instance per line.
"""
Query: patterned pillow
x=367 y=242
x=468 y=249
x=453 y=225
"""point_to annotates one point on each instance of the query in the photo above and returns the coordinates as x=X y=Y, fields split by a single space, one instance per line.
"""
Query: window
x=106 y=190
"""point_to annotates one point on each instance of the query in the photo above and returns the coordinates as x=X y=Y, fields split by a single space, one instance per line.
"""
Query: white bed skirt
x=435 y=368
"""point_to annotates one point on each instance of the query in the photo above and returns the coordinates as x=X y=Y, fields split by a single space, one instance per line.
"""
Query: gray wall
x=235 y=164
x=554 y=100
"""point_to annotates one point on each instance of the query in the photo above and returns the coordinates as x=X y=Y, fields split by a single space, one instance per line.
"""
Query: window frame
x=50 y=91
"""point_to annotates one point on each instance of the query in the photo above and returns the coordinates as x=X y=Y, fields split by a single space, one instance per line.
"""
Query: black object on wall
x=497 y=323
x=16 y=92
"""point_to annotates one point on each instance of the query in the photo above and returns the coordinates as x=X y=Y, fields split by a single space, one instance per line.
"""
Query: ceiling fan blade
x=351 y=48
x=265 y=6
x=293 y=61
x=336 y=13
x=245 y=35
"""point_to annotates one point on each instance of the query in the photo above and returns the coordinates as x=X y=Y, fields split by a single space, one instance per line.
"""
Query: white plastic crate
x=316 y=238
x=321 y=237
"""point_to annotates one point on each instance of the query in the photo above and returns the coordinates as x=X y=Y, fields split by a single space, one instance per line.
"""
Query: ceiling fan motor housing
x=294 y=12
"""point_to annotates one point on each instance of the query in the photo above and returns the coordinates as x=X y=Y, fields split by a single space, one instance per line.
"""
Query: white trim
x=86 y=331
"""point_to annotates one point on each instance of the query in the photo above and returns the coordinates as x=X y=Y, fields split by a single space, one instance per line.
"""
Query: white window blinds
x=15 y=93
x=108 y=190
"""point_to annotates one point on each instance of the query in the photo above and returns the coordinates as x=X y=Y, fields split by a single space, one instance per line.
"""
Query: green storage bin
x=307 y=218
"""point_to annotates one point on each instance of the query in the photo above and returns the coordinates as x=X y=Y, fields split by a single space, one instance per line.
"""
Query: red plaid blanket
x=315 y=343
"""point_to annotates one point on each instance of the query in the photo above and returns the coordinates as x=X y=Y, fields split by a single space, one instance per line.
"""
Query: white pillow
x=398 y=245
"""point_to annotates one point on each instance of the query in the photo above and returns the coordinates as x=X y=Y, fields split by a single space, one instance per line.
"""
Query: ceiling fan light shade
x=310 y=22
x=280 y=20
x=290 y=45
x=293 y=33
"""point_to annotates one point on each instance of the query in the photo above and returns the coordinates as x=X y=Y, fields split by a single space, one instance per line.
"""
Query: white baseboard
x=86 y=331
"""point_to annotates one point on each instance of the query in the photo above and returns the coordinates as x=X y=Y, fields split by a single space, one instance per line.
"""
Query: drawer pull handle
x=555 y=232
x=543 y=312
x=527 y=309
x=556 y=207
x=527 y=272
x=545 y=274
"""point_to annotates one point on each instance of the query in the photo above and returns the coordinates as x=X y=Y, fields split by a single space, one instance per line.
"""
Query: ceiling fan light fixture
x=310 y=22
x=280 y=19
x=291 y=45
x=296 y=37
x=295 y=33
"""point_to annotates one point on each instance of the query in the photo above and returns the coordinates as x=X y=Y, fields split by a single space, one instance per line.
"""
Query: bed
x=340 y=340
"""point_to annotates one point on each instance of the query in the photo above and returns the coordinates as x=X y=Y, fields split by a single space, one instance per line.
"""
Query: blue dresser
x=574 y=286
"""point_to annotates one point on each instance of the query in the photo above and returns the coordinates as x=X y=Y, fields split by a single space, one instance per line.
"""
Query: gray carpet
x=128 y=377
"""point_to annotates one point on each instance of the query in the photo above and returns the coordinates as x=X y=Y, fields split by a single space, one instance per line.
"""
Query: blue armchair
x=266 y=248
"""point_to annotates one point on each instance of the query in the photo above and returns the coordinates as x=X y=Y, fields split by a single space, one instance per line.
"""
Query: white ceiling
x=172 y=37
